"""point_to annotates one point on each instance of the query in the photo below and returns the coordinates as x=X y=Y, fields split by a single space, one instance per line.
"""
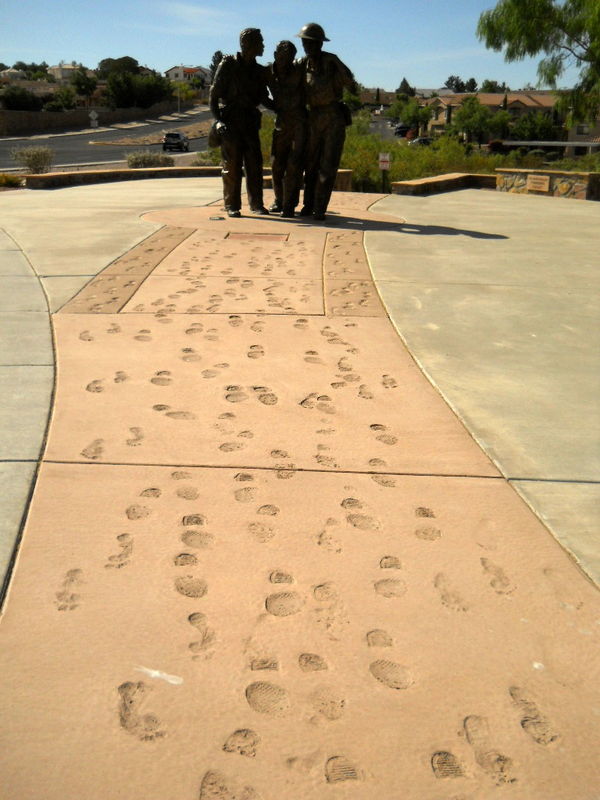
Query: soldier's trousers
x=326 y=136
x=241 y=148
x=287 y=159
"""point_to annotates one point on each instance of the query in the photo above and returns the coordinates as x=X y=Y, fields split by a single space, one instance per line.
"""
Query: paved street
x=277 y=545
x=76 y=148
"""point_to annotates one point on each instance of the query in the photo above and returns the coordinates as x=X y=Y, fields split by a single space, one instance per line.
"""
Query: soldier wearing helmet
x=239 y=87
x=326 y=77
x=286 y=82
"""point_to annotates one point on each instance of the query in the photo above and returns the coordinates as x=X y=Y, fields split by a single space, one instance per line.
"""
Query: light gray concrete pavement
x=496 y=296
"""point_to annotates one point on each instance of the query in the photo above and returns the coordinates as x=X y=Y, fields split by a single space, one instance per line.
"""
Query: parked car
x=423 y=141
x=175 y=141
x=401 y=130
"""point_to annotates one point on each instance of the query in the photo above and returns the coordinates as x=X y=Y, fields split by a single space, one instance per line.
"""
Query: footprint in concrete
x=313 y=357
x=86 y=336
x=181 y=475
x=187 y=492
x=120 y=377
x=201 y=648
x=499 y=582
x=66 y=598
x=245 y=495
x=265 y=395
x=391 y=674
x=384 y=480
x=532 y=720
x=379 y=638
x=382 y=435
x=244 y=742
x=255 y=351
x=278 y=576
x=152 y=492
x=365 y=392
x=136 y=511
x=95 y=386
x=268 y=698
x=261 y=532
x=327 y=703
x=114 y=328
x=497 y=766
x=449 y=596
x=311 y=662
x=363 y=522
x=388 y=382
x=390 y=562
x=262 y=663
x=390 y=587
x=137 y=436
x=427 y=533
x=284 y=604
x=185 y=560
x=235 y=320
x=94 y=451
x=423 y=511
x=194 y=329
x=183 y=415
x=189 y=586
x=235 y=394
x=144 y=335
x=189 y=355
x=301 y=324
x=145 y=727
x=339 y=768
x=258 y=326
x=269 y=510
x=216 y=786
x=121 y=559
x=162 y=378
x=446 y=765
x=198 y=539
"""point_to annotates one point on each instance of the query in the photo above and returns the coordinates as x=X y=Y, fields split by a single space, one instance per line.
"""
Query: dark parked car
x=423 y=141
x=401 y=130
x=175 y=141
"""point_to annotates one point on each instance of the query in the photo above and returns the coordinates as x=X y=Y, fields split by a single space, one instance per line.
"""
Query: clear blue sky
x=382 y=41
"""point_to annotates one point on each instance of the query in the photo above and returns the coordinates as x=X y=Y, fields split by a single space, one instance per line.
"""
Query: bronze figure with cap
x=326 y=77
x=239 y=87
x=286 y=82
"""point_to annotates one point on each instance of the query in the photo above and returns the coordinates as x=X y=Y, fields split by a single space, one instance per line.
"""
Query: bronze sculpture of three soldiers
x=310 y=126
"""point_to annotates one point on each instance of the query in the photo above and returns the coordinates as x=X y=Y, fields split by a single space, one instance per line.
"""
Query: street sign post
x=384 y=165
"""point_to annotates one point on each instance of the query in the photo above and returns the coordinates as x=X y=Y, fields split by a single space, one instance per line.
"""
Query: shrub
x=10 y=181
x=15 y=98
x=34 y=159
x=138 y=159
x=209 y=158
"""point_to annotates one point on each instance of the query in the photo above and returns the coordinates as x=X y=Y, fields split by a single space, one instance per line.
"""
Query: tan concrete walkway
x=264 y=559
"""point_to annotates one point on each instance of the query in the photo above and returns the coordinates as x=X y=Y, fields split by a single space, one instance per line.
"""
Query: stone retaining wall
x=552 y=183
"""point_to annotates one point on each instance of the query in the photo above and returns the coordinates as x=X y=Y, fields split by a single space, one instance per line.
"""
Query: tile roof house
x=516 y=103
x=182 y=73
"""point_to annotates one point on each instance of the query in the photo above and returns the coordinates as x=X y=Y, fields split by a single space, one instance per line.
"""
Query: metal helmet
x=312 y=31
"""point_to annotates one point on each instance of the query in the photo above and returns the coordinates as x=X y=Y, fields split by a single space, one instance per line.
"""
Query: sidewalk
x=233 y=411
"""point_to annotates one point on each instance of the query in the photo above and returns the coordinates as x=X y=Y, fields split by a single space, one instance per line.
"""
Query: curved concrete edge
x=567 y=503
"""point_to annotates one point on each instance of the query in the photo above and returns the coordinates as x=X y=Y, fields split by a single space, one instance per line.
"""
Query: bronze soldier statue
x=239 y=87
x=286 y=82
x=326 y=78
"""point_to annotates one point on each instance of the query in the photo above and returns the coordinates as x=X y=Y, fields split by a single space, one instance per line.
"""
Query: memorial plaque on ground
x=538 y=183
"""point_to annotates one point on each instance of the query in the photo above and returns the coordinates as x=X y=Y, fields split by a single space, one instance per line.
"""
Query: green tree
x=472 y=119
x=84 y=84
x=471 y=85
x=455 y=84
x=493 y=87
x=353 y=101
x=3 y=66
x=533 y=127
x=411 y=113
x=119 y=90
x=565 y=33
x=500 y=124
x=110 y=65
x=32 y=69
x=15 y=98
x=215 y=61
x=63 y=99
x=405 y=88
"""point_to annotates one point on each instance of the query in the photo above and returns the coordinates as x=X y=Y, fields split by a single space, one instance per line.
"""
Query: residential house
x=516 y=103
x=187 y=74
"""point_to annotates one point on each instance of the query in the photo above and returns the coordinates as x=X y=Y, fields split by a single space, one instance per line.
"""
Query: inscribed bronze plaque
x=538 y=183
